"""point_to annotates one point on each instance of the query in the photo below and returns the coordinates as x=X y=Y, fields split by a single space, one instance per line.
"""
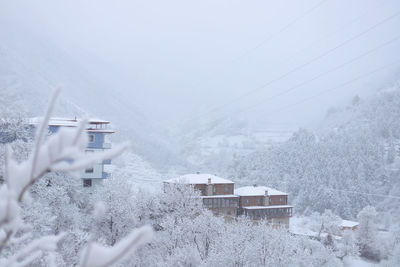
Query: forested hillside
x=351 y=162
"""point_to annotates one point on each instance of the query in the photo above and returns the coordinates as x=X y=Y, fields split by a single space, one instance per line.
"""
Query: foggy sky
x=177 y=60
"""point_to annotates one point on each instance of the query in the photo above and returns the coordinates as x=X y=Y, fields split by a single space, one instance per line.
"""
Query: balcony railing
x=107 y=161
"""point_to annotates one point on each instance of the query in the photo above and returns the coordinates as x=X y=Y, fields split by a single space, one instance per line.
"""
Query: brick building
x=216 y=192
x=255 y=202
x=261 y=202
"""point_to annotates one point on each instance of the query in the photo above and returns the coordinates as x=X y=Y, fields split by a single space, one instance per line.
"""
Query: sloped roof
x=346 y=223
x=201 y=178
x=257 y=191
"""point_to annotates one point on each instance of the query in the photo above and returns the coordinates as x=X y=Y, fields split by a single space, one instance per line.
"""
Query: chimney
x=209 y=180
x=266 y=198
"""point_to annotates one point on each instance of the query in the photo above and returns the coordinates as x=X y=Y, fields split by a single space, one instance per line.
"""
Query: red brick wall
x=276 y=200
x=219 y=189
x=251 y=201
x=223 y=189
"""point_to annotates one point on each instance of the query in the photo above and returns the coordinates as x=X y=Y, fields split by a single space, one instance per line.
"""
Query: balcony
x=107 y=161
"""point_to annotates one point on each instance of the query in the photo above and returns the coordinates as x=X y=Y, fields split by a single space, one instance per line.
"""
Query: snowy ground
x=357 y=262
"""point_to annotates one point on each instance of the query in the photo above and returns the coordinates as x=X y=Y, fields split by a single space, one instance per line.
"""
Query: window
x=214 y=189
x=247 y=201
x=233 y=202
x=280 y=199
x=91 y=138
x=270 y=200
x=226 y=189
x=260 y=201
x=87 y=182
x=89 y=170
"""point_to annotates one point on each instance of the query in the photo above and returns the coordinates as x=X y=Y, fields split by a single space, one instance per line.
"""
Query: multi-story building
x=255 y=202
x=261 y=202
x=216 y=192
x=98 y=140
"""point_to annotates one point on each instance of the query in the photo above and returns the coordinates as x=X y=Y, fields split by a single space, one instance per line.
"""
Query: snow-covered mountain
x=31 y=66
x=351 y=161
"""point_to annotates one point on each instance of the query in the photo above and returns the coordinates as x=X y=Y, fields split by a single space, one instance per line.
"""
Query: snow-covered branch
x=63 y=151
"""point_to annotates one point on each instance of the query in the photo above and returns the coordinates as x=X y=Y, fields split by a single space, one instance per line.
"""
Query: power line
x=281 y=30
x=299 y=67
x=340 y=66
x=339 y=86
x=368 y=194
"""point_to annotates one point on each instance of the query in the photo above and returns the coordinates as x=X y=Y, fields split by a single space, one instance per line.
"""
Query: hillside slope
x=351 y=162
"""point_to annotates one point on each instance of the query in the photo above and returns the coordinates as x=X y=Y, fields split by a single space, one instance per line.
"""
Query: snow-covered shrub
x=61 y=152
x=367 y=235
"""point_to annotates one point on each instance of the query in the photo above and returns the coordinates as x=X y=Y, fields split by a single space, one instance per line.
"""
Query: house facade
x=98 y=140
x=347 y=225
x=217 y=193
x=264 y=203
x=255 y=202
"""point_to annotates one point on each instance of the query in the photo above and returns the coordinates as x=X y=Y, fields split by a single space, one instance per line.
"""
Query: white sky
x=177 y=60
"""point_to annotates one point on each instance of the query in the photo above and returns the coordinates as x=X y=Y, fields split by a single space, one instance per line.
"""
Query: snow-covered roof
x=220 y=196
x=199 y=178
x=257 y=191
x=68 y=122
x=346 y=223
x=267 y=207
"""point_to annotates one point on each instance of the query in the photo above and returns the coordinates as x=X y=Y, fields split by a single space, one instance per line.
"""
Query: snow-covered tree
x=366 y=233
x=61 y=152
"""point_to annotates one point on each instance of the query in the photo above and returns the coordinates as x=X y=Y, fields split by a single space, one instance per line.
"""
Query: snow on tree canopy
x=200 y=178
x=258 y=191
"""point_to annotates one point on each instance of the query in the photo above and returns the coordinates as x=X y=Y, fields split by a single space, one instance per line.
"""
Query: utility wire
x=299 y=67
x=281 y=30
x=340 y=66
x=368 y=194
x=391 y=64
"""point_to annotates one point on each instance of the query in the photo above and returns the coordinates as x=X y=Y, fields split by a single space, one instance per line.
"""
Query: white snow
x=201 y=178
x=347 y=223
x=267 y=207
x=257 y=191
x=96 y=255
x=67 y=122
x=220 y=196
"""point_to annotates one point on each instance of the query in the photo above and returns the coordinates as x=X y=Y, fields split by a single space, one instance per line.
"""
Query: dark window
x=91 y=138
x=226 y=188
x=87 y=182
x=89 y=170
